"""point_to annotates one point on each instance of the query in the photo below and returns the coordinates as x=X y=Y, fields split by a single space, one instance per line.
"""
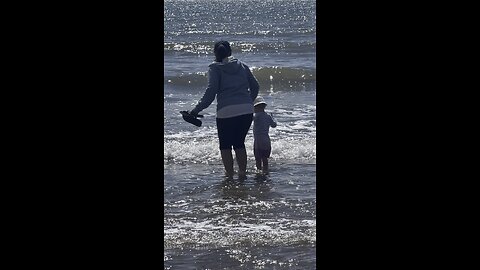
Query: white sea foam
x=294 y=139
x=217 y=232
x=205 y=150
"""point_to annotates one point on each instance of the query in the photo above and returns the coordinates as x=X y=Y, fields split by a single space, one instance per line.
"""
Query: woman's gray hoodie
x=231 y=82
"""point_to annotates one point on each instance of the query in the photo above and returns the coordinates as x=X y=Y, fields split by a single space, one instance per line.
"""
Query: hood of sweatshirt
x=230 y=65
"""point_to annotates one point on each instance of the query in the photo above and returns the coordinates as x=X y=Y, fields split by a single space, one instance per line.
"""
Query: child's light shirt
x=261 y=125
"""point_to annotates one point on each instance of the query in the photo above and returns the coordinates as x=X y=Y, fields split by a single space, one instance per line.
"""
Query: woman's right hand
x=196 y=115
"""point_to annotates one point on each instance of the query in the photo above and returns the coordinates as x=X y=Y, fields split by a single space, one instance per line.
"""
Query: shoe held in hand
x=191 y=119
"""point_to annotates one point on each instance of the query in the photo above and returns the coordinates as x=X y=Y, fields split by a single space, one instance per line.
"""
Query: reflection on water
x=251 y=188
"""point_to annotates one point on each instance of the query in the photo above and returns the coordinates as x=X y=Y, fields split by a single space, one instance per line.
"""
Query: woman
x=235 y=88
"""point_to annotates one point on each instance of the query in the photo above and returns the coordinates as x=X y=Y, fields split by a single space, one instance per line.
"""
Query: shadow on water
x=257 y=187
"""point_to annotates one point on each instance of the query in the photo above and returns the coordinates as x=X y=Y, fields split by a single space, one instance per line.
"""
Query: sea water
x=262 y=222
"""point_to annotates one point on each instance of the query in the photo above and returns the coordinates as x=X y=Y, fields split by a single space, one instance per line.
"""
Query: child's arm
x=273 y=122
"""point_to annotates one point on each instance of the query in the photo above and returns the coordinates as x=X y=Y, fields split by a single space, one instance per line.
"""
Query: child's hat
x=258 y=101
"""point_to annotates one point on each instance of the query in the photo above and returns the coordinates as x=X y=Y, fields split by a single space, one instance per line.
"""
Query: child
x=261 y=141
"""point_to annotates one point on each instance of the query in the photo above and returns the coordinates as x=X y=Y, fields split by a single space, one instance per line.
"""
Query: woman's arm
x=210 y=92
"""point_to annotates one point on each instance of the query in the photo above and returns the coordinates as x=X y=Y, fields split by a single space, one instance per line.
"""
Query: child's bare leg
x=227 y=160
x=258 y=159
x=265 y=165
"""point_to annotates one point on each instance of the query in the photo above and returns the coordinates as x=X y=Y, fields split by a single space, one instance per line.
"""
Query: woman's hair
x=221 y=50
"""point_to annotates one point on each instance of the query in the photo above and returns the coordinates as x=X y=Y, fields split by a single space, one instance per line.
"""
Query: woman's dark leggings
x=232 y=131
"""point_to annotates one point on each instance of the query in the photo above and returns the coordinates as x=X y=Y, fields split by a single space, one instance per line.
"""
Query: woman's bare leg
x=241 y=155
x=265 y=165
x=227 y=160
x=258 y=163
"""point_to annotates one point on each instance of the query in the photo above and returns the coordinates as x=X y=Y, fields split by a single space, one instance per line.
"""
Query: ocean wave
x=266 y=47
x=205 y=150
x=266 y=76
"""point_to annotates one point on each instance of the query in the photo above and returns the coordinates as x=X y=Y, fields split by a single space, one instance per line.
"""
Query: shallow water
x=263 y=222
